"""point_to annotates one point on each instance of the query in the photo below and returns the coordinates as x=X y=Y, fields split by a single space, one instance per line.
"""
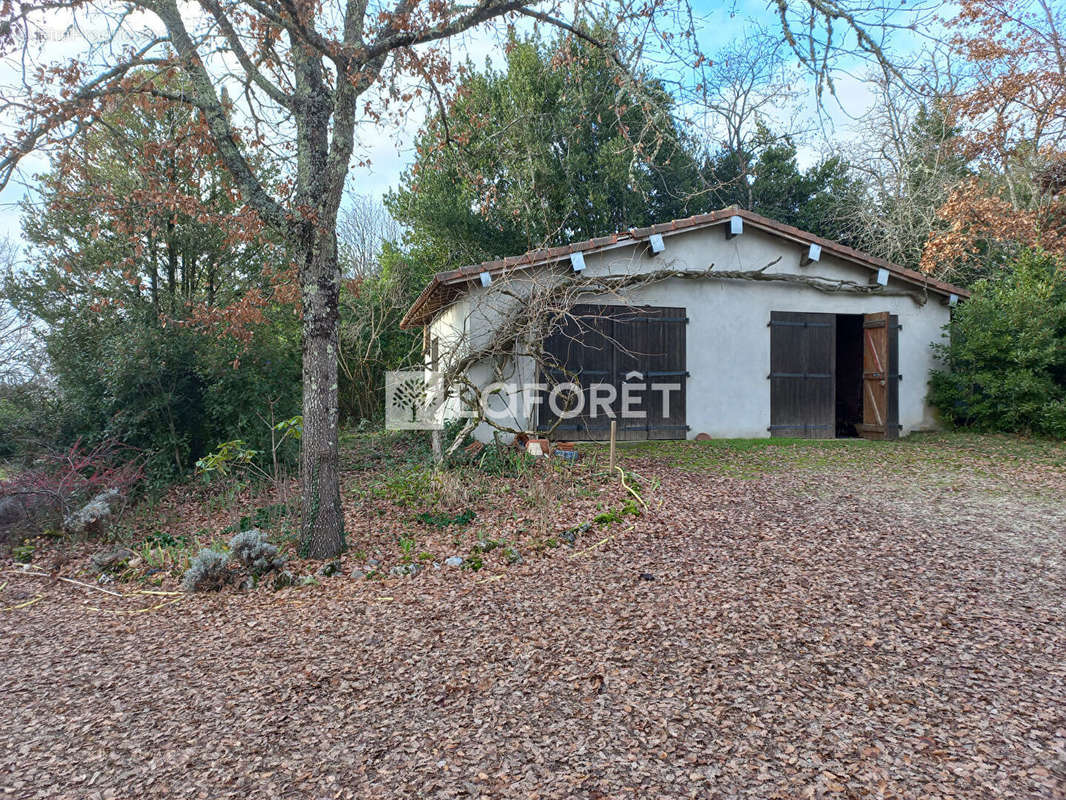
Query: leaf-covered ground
x=837 y=619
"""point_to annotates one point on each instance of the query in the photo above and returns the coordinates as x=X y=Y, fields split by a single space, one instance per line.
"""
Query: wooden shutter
x=802 y=375
x=666 y=365
x=880 y=376
x=632 y=348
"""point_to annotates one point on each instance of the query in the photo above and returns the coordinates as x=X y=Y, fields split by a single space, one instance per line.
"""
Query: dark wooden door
x=802 y=375
x=579 y=351
x=880 y=376
x=618 y=345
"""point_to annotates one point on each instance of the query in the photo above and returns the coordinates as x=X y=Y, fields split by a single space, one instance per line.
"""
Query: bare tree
x=309 y=78
x=363 y=227
x=20 y=351
x=752 y=86
x=372 y=306
x=907 y=150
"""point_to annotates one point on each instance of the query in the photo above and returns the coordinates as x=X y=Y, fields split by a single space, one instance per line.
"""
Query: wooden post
x=614 y=429
x=438 y=446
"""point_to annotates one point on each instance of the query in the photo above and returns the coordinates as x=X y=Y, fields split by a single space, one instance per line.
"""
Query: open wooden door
x=880 y=376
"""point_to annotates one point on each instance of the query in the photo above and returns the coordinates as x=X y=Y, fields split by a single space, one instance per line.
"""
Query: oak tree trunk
x=323 y=520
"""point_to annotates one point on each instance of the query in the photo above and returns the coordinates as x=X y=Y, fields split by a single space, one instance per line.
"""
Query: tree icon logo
x=412 y=398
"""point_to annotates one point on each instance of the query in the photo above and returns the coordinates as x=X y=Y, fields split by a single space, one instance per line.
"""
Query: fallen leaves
x=816 y=632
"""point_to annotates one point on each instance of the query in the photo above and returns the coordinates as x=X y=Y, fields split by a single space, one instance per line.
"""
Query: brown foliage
x=1012 y=115
x=976 y=218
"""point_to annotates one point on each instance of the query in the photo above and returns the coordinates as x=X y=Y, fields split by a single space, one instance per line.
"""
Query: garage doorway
x=834 y=375
x=848 y=375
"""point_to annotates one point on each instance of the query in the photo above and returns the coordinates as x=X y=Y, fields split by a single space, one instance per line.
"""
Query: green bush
x=172 y=391
x=27 y=418
x=1006 y=358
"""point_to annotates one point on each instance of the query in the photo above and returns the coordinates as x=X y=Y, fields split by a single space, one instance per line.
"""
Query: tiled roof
x=446 y=286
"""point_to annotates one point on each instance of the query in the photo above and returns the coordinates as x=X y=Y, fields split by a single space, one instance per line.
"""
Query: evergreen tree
x=537 y=154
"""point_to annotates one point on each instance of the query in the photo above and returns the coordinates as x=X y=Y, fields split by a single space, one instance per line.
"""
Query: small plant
x=158 y=555
x=226 y=457
x=252 y=551
x=208 y=572
x=407 y=546
x=442 y=520
x=629 y=508
x=235 y=455
x=473 y=562
x=607 y=517
x=540 y=545
x=330 y=568
x=23 y=553
x=504 y=461
x=408 y=486
x=283 y=579
x=163 y=539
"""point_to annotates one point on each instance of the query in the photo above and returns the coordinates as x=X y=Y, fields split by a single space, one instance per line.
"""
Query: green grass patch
x=752 y=458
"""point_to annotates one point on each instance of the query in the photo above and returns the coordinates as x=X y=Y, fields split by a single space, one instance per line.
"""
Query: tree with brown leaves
x=1012 y=115
x=310 y=80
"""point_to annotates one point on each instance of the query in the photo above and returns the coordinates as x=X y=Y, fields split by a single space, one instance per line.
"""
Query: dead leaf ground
x=863 y=621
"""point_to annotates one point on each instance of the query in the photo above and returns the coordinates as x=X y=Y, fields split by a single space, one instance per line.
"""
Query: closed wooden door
x=802 y=375
x=580 y=351
x=614 y=345
x=880 y=376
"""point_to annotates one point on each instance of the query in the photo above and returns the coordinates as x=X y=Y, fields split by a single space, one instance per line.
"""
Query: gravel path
x=809 y=634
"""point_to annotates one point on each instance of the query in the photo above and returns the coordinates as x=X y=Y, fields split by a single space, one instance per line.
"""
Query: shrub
x=252 y=551
x=171 y=391
x=61 y=482
x=497 y=459
x=445 y=520
x=1006 y=358
x=209 y=571
x=249 y=551
x=28 y=413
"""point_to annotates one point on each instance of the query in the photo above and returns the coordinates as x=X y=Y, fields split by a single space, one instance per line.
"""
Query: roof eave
x=418 y=314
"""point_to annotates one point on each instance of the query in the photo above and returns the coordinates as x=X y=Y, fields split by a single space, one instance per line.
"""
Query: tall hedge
x=1005 y=361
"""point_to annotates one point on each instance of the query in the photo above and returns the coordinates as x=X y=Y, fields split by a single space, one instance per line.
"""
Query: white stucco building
x=824 y=341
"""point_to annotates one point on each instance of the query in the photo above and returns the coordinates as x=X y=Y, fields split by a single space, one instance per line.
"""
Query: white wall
x=727 y=340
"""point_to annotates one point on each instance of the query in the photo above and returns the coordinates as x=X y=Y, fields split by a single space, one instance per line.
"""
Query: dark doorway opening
x=848 y=374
